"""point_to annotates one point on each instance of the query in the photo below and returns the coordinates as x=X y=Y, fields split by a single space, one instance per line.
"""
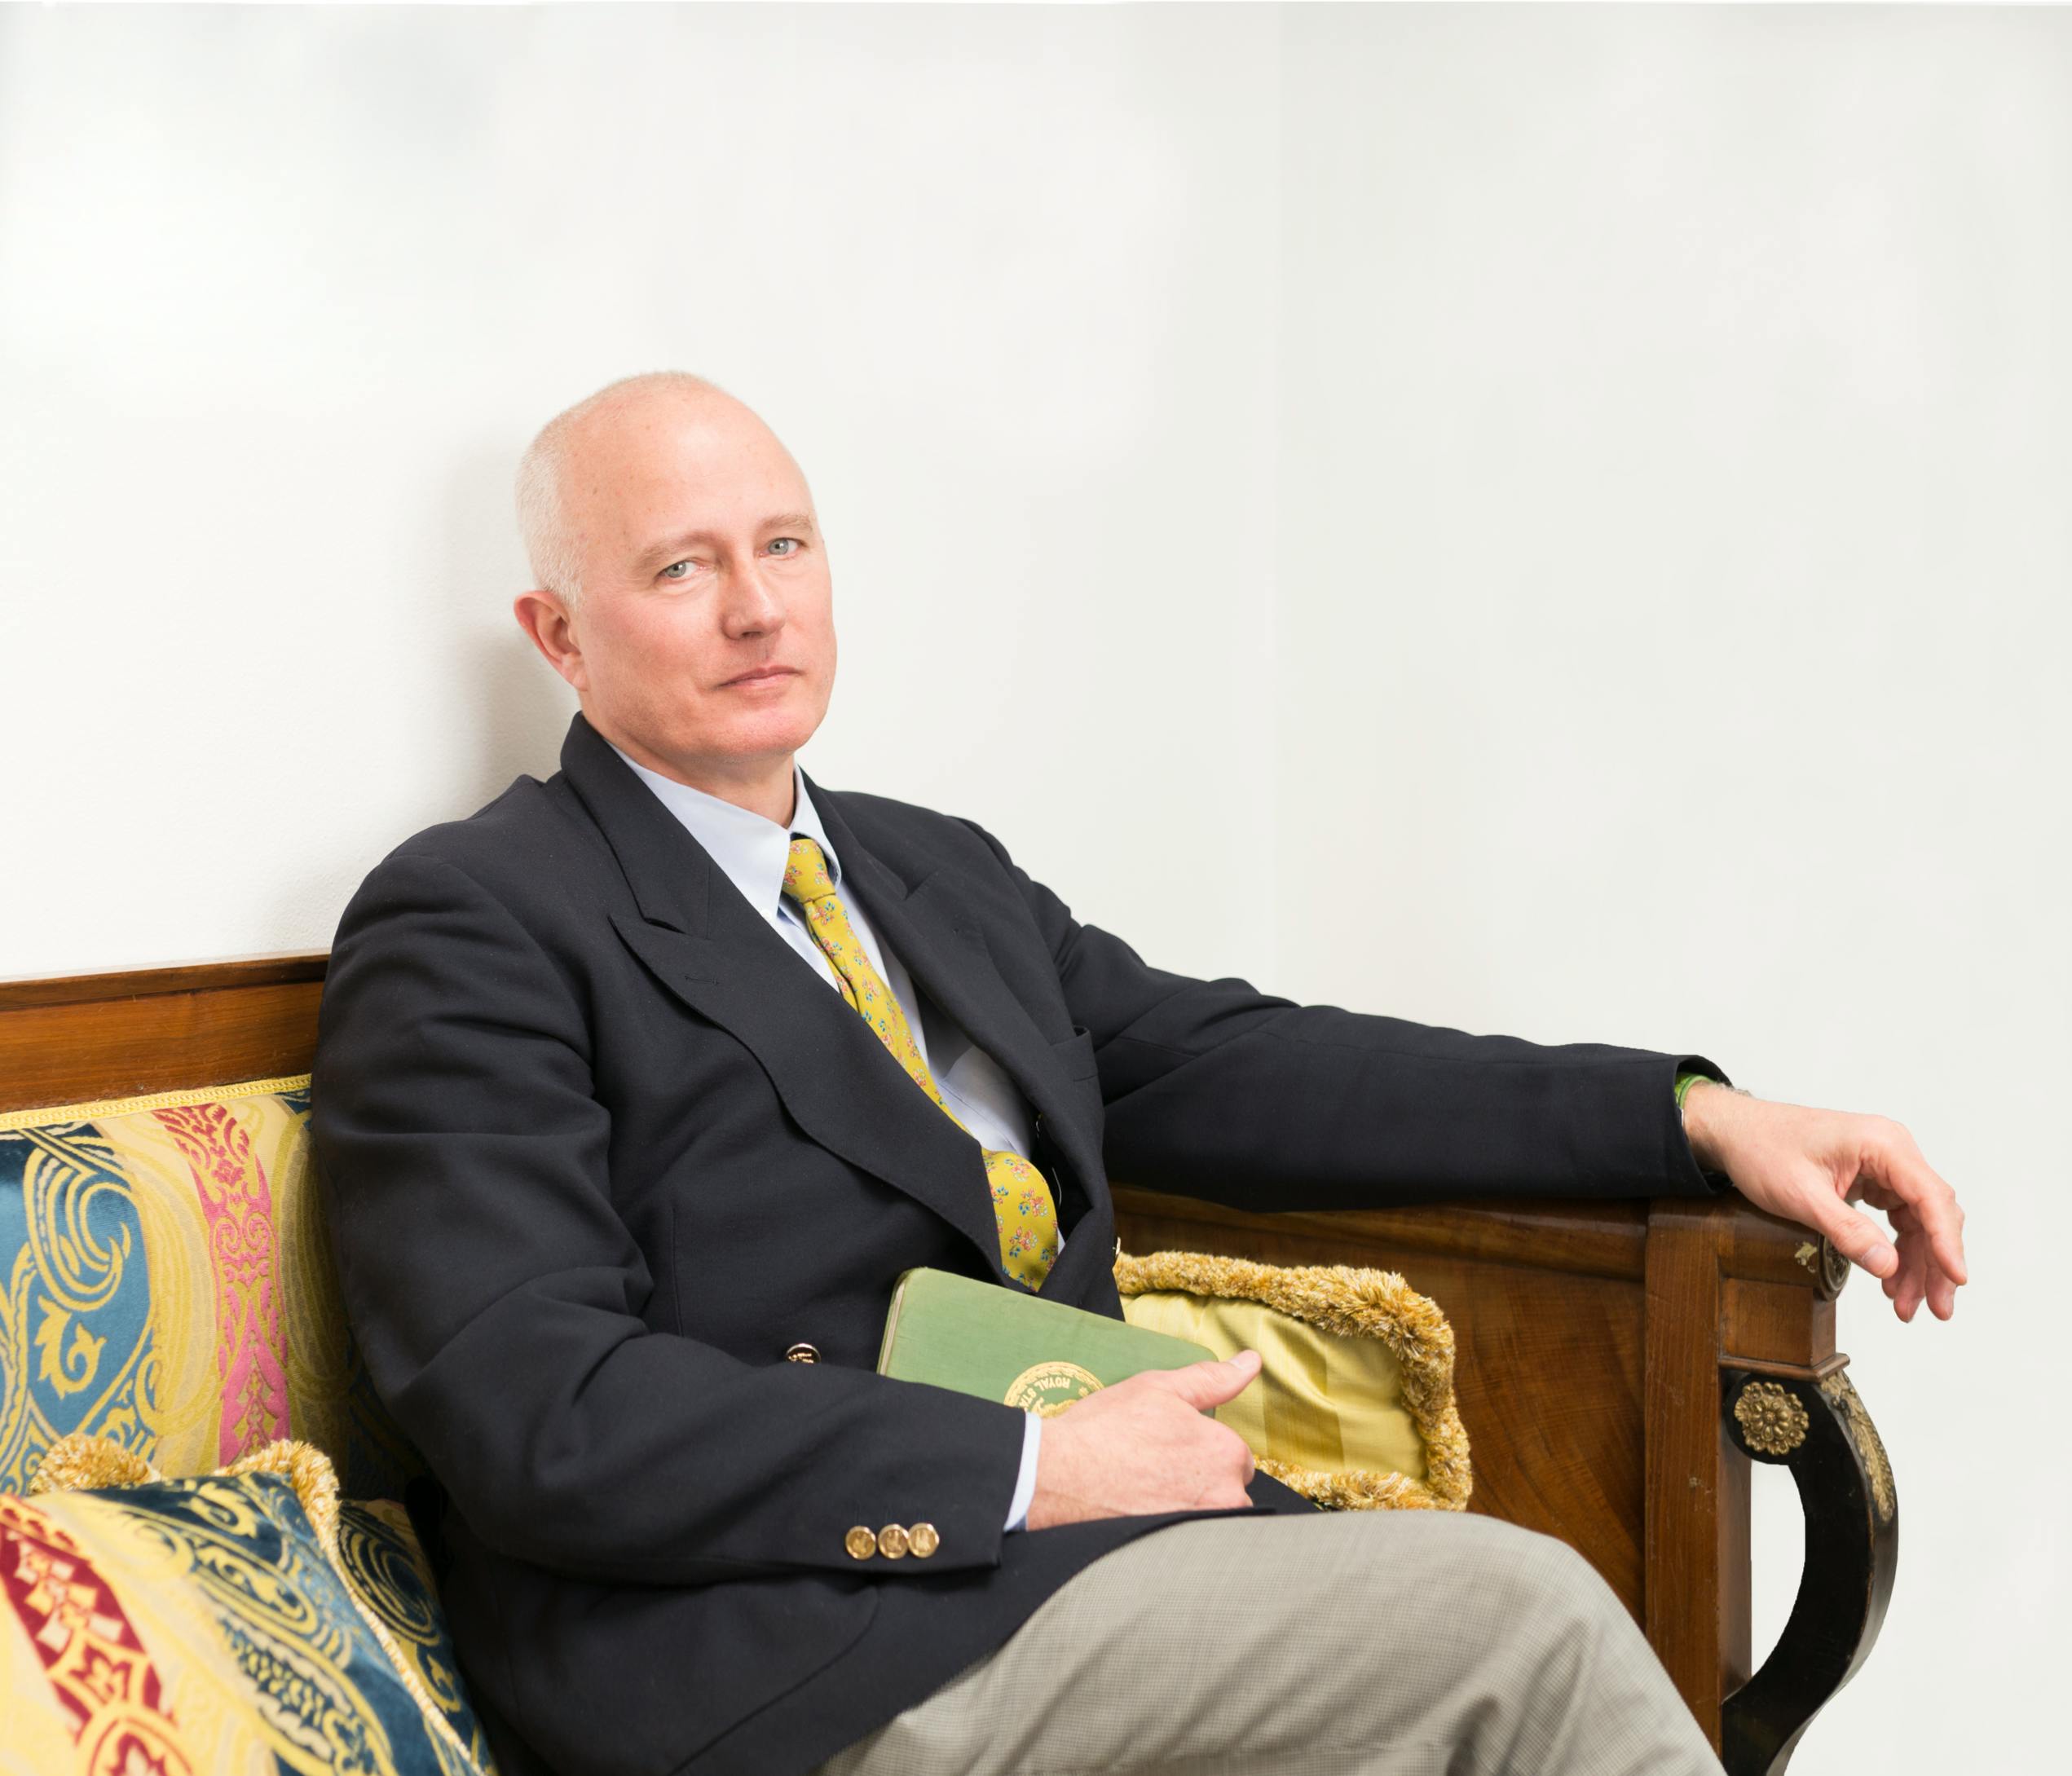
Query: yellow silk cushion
x=1354 y=1405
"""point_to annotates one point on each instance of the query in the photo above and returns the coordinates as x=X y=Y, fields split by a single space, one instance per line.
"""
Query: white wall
x=1676 y=429
x=284 y=294
x=1538 y=519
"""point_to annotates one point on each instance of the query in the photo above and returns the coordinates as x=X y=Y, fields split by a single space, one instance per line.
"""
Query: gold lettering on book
x=1046 y=1388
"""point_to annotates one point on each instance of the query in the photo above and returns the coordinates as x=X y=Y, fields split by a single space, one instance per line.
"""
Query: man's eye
x=796 y=545
x=677 y=571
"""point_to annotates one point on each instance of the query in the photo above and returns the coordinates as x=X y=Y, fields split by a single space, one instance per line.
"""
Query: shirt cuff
x=1031 y=1434
x=1694 y=1069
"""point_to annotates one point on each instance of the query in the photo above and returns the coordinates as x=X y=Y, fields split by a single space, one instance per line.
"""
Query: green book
x=998 y=1343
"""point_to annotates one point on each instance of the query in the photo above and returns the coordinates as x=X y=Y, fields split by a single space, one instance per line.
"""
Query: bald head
x=682 y=586
x=563 y=469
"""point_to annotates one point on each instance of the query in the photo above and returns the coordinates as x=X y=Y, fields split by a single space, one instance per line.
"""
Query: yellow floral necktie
x=1022 y=1209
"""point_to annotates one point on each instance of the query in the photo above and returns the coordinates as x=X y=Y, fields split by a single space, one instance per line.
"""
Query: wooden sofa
x=1618 y=1365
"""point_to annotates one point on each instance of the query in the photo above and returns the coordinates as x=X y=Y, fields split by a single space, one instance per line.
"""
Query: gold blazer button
x=923 y=1540
x=802 y=1353
x=860 y=1543
x=891 y=1541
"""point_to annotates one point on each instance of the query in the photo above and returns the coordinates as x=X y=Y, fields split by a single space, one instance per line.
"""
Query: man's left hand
x=1810 y=1166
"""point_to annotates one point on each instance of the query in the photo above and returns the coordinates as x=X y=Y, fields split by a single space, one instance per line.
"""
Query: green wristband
x=1686 y=1081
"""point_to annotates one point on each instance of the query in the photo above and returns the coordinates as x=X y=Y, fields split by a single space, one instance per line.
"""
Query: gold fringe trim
x=1357 y=1489
x=1354 y=1303
x=78 y=1463
x=155 y=1100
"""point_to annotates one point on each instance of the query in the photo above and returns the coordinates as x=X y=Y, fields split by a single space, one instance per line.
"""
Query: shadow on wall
x=506 y=710
x=512 y=708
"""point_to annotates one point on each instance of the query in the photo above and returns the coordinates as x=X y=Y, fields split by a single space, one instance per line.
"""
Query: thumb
x=1856 y=1235
x=1210 y=1384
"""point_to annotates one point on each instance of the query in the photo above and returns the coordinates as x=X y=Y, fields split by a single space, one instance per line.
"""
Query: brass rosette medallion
x=1770 y=1419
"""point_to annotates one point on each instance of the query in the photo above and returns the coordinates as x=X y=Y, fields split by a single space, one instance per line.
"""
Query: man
x=636 y=1090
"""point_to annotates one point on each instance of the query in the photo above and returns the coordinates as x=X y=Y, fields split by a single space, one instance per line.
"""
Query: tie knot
x=805 y=874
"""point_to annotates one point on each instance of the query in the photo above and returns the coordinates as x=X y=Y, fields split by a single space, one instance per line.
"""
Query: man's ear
x=551 y=626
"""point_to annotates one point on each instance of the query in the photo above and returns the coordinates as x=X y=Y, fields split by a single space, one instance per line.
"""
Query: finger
x=1941 y=1292
x=1251 y=1463
x=1211 y=1383
x=1856 y=1235
x=1890 y=1284
x=1246 y=1463
x=1908 y=1285
x=1912 y=1277
x=1913 y=1178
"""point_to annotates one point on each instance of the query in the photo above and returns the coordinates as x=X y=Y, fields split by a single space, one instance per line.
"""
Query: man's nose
x=752 y=608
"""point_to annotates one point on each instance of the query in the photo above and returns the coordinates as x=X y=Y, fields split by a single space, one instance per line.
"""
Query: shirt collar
x=752 y=852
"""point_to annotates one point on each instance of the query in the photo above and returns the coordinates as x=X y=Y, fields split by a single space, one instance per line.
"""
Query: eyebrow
x=665 y=551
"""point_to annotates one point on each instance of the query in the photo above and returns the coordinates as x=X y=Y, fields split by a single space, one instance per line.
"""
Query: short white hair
x=550 y=546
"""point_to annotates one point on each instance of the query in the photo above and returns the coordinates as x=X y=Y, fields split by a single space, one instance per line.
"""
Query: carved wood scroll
x=1819 y=1429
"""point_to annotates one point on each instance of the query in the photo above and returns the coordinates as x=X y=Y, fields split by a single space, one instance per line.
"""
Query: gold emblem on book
x=1046 y=1388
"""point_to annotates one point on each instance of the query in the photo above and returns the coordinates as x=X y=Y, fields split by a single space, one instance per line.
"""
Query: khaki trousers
x=1400 y=1642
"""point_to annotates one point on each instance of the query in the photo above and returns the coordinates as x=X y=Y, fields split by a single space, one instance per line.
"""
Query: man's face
x=703 y=641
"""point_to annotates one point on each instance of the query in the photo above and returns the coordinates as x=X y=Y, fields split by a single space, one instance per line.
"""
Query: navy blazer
x=597 y=1149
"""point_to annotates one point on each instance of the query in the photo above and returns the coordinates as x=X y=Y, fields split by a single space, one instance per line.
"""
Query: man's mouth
x=762 y=673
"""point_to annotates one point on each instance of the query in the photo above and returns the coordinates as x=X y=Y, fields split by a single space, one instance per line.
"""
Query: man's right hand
x=1145 y=1446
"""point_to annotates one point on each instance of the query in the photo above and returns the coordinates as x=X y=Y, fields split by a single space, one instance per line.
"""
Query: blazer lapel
x=922 y=914
x=713 y=951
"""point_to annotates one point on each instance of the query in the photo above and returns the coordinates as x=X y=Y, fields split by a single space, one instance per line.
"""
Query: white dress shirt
x=752 y=853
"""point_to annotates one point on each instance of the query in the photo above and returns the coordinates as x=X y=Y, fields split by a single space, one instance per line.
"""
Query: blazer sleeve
x=1216 y=1090
x=496 y=1293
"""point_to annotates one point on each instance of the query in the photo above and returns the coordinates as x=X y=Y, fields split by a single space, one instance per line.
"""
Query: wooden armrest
x=1601 y=1347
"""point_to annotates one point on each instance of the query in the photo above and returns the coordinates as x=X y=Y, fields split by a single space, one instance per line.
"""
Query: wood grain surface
x=87 y=1037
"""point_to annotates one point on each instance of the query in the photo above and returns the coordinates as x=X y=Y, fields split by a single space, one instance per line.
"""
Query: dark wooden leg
x=1819 y=1429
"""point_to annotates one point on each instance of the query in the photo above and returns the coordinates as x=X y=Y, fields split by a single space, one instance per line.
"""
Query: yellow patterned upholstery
x=1354 y=1406
x=165 y=1282
x=168 y=1307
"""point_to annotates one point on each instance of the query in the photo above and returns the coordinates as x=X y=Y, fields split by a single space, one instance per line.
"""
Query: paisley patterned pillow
x=183 y=1627
x=388 y=1574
